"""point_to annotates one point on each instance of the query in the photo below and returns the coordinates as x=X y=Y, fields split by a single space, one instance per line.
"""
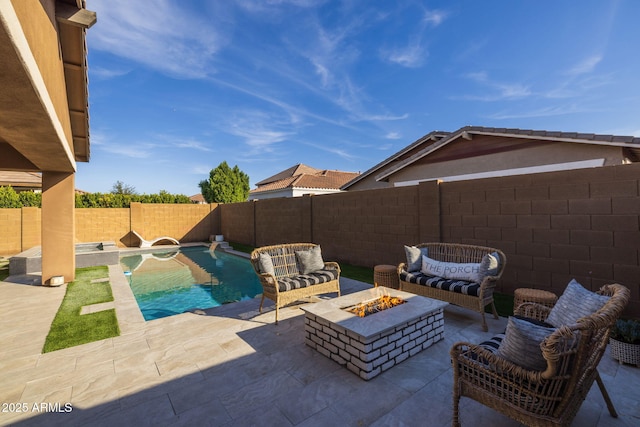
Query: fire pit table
x=370 y=345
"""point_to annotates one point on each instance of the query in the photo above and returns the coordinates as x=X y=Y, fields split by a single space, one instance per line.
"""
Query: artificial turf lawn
x=4 y=269
x=69 y=328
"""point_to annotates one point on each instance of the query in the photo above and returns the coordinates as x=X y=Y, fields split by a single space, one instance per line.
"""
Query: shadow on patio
x=232 y=366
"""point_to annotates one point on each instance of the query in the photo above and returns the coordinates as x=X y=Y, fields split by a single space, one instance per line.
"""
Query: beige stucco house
x=475 y=152
x=44 y=113
x=300 y=180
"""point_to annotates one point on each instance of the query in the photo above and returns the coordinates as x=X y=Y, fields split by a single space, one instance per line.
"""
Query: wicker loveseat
x=468 y=294
x=292 y=271
x=553 y=394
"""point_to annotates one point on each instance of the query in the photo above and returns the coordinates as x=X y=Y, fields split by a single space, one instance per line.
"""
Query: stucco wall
x=38 y=21
x=529 y=153
x=11 y=229
x=559 y=152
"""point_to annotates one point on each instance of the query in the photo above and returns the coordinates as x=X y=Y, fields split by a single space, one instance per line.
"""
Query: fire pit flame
x=381 y=303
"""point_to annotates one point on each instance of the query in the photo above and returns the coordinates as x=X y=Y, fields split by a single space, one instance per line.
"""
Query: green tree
x=30 y=198
x=9 y=198
x=121 y=188
x=225 y=185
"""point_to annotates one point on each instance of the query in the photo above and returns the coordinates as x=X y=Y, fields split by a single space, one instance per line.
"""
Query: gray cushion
x=306 y=280
x=310 y=260
x=265 y=263
x=453 y=285
x=490 y=264
x=574 y=303
x=521 y=344
x=414 y=257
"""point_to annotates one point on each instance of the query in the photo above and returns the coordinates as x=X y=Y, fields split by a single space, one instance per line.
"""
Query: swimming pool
x=170 y=283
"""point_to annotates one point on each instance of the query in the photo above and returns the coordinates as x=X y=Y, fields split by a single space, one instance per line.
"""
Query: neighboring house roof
x=303 y=176
x=435 y=140
x=197 y=198
x=21 y=179
x=293 y=171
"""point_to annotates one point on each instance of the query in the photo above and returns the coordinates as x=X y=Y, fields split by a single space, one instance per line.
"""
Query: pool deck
x=231 y=366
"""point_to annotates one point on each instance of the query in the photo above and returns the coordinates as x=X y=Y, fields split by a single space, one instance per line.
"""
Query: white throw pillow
x=451 y=270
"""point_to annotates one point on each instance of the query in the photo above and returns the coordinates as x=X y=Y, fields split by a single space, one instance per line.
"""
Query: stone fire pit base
x=370 y=345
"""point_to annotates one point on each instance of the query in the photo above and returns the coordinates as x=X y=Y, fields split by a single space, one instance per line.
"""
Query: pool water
x=170 y=283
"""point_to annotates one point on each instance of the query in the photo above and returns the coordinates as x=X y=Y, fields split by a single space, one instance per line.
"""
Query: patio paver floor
x=231 y=366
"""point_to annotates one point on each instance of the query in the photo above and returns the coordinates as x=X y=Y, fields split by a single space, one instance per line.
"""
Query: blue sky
x=176 y=87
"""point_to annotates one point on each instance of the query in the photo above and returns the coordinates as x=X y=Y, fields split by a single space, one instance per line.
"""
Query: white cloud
x=201 y=170
x=333 y=150
x=191 y=144
x=104 y=73
x=259 y=130
x=412 y=56
x=434 y=17
x=134 y=151
x=393 y=135
x=161 y=35
x=543 y=112
x=501 y=90
x=587 y=65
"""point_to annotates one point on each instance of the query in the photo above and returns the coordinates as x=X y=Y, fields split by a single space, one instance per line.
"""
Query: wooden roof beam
x=69 y=14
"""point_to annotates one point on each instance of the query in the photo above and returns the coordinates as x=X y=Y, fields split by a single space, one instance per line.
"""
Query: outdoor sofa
x=463 y=275
x=289 y=272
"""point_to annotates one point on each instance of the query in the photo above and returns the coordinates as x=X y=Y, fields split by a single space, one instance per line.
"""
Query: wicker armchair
x=287 y=284
x=541 y=398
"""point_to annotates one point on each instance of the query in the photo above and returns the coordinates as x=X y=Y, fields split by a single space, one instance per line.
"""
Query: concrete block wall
x=367 y=227
x=238 y=222
x=582 y=224
x=100 y=224
x=283 y=220
x=189 y=223
x=11 y=226
x=31 y=227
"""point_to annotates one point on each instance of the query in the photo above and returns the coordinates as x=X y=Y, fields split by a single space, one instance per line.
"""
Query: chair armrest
x=331 y=265
x=268 y=280
x=533 y=310
x=401 y=267
x=479 y=362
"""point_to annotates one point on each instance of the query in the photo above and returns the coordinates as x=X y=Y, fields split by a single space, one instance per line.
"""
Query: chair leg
x=455 y=422
x=261 y=302
x=277 y=308
x=493 y=308
x=484 y=321
x=607 y=399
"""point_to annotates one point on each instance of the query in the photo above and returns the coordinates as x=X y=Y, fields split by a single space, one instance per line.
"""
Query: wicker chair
x=286 y=267
x=541 y=398
x=459 y=253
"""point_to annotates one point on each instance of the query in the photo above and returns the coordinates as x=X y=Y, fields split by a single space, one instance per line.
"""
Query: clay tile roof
x=295 y=170
x=197 y=198
x=302 y=176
